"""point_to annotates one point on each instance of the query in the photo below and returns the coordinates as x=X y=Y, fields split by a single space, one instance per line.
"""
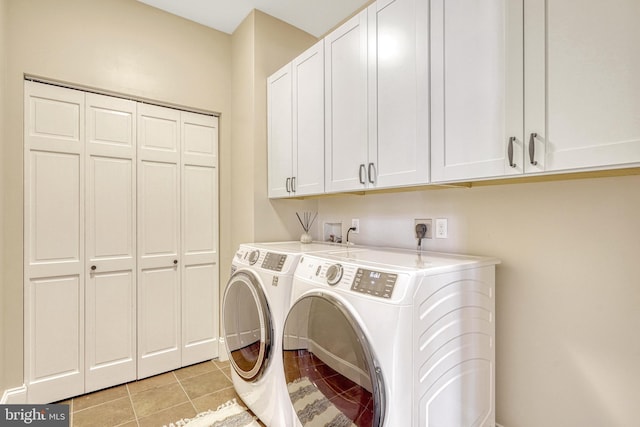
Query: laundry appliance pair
x=363 y=336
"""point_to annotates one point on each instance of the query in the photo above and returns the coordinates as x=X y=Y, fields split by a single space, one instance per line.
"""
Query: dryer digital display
x=374 y=283
x=273 y=261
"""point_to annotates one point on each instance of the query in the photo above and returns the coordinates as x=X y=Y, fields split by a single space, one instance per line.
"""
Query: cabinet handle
x=93 y=268
x=293 y=184
x=175 y=262
x=532 y=148
x=360 y=173
x=372 y=173
x=288 y=185
x=510 y=151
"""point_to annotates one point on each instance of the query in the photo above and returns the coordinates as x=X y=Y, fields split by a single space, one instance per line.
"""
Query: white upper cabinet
x=377 y=114
x=463 y=90
x=280 y=132
x=582 y=89
x=308 y=121
x=476 y=88
x=346 y=139
x=398 y=137
x=295 y=96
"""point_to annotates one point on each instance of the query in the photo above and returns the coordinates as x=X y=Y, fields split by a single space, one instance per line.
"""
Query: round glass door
x=332 y=376
x=247 y=325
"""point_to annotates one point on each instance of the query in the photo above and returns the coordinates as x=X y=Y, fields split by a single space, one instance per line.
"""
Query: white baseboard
x=223 y=356
x=16 y=395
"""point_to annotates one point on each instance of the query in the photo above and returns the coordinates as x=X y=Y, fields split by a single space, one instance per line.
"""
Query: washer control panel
x=273 y=261
x=374 y=283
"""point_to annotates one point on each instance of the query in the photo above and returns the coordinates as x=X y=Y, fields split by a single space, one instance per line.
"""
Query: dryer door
x=247 y=324
x=332 y=375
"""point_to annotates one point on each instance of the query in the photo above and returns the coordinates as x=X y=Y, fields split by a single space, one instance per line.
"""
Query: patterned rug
x=229 y=414
x=313 y=408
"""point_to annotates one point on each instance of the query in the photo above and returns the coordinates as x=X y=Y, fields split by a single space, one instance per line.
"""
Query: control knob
x=334 y=274
x=253 y=256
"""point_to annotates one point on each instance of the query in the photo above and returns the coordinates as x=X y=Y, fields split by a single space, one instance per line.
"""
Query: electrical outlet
x=428 y=223
x=355 y=223
x=442 y=229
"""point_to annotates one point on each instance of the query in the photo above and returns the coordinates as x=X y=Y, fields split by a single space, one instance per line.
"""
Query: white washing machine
x=255 y=303
x=391 y=338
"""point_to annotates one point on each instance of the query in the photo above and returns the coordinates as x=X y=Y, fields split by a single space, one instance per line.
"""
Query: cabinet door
x=110 y=241
x=589 y=72
x=199 y=266
x=476 y=87
x=280 y=132
x=398 y=93
x=346 y=106
x=53 y=242
x=159 y=343
x=308 y=121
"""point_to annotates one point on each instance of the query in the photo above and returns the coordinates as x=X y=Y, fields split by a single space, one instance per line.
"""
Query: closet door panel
x=158 y=239
x=110 y=240
x=54 y=242
x=159 y=212
x=199 y=211
x=199 y=267
x=55 y=211
x=158 y=321
x=200 y=308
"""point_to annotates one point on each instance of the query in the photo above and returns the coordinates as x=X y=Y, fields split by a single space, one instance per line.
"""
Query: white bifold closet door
x=120 y=240
x=110 y=241
x=54 y=242
x=199 y=253
x=159 y=346
x=177 y=239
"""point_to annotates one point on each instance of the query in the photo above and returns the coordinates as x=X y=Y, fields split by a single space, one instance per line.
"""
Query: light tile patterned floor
x=156 y=401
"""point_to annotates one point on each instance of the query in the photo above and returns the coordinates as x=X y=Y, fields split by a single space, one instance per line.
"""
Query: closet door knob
x=175 y=262
x=93 y=268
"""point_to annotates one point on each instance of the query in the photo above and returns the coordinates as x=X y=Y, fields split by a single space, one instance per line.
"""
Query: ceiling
x=313 y=16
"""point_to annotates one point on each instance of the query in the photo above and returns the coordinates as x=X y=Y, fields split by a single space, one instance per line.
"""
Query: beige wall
x=3 y=63
x=121 y=46
x=260 y=46
x=568 y=288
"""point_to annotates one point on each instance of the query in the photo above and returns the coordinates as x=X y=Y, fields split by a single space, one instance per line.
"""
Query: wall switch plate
x=428 y=223
x=442 y=228
x=355 y=223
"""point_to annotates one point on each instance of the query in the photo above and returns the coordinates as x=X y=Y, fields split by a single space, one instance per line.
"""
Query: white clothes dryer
x=391 y=338
x=255 y=303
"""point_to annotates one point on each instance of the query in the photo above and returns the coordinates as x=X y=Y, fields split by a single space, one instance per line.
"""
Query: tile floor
x=351 y=399
x=156 y=401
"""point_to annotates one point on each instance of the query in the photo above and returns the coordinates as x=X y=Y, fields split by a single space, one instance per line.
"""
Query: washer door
x=247 y=324
x=332 y=375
